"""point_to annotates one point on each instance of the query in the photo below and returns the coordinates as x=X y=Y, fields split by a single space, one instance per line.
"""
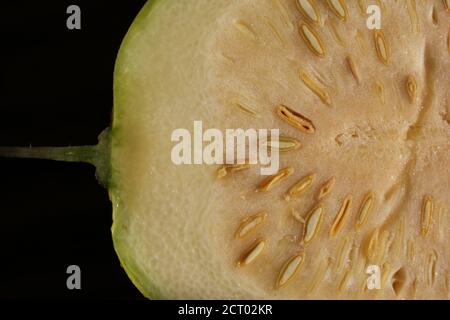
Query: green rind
x=133 y=271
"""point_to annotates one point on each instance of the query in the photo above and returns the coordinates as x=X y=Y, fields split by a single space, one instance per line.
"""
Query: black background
x=56 y=90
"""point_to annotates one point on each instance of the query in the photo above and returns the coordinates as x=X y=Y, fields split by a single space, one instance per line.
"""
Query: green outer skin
x=133 y=271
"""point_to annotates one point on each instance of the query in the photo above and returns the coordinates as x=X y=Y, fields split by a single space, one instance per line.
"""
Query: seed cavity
x=320 y=274
x=274 y=30
x=231 y=168
x=361 y=42
x=269 y=183
x=315 y=88
x=379 y=86
x=410 y=250
x=448 y=41
x=344 y=252
x=353 y=68
x=412 y=11
x=313 y=222
x=297 y=216
x=365 y=209
x=312 y=40
x=434 y=16
x=385 y=269
x=250 y=224
x=399 y=279
x=335 y=33
x=343 y=280
x=295 y=119
x=254 y=252
x=309 y=10
x=380 y=4
x=441 y=221
x=414 y=285
x=300 y=187
x=284 y=14
x=384 y=244
x=447 y=281
x=285 y=144
x=362 y=7
x=426 y=214
x=340 y=218
x=399 y=241
x=326 y=188
x=245 y=108
x=381 y=46
x=372 y=248
x=339 y=9
x=245 y=29
x=411 y=88
x=290 y=269
x=432 y=260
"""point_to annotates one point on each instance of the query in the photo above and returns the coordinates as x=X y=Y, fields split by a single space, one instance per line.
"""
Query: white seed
x=285 y=144
x=301 y=187
x=365 y=209
x=381 y=46
x=339 y=8
x=270 y=182
x=316 y=88
x=313 y=222
x=312 y=40
x=309 y=10
x=250 y=224
x=290 y=269
x=253 y=253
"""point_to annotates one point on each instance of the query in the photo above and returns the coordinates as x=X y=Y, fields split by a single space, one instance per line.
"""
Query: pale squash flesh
x=378 y=158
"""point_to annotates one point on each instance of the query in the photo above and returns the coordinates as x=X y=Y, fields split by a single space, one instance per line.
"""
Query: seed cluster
x=354 y=212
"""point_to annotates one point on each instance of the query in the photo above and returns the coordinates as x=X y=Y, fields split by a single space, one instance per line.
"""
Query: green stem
x=68 y=154
x=98 y=155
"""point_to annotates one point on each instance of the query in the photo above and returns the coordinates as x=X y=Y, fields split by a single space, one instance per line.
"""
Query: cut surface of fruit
x=366 y=124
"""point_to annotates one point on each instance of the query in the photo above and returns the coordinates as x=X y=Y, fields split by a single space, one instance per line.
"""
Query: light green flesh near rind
x=127 y=262
x=152 y=275
x=174 y=226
